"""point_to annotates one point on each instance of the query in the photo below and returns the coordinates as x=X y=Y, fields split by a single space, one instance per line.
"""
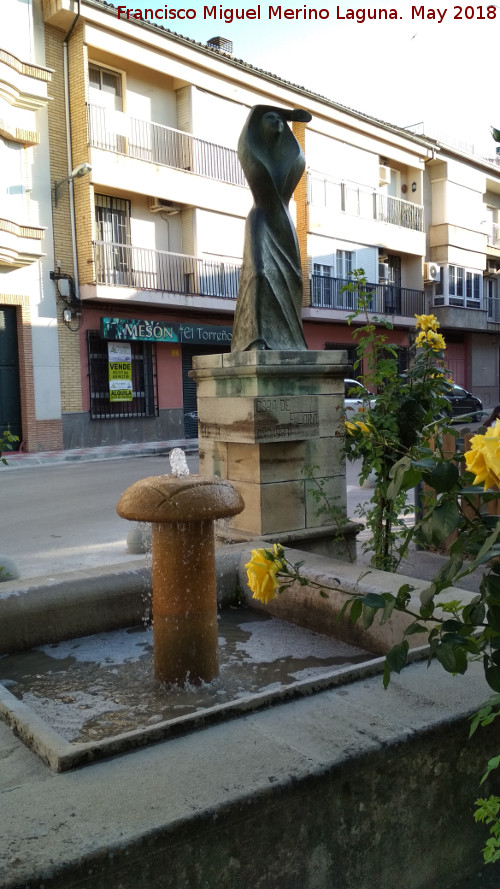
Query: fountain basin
x=66 y=699
x=347 y=777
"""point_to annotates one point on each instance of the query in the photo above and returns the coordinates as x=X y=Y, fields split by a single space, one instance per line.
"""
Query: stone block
x=212 y=458
x=274 y=419
x=270 y=508
x=328 y=493
x=271 y=462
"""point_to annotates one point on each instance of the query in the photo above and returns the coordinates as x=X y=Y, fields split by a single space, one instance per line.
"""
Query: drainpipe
x=69 y=152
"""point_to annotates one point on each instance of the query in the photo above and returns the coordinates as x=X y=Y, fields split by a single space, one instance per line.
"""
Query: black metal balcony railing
x=121 y=265
x=358 y=200
x=153 y=142
x=388 y=299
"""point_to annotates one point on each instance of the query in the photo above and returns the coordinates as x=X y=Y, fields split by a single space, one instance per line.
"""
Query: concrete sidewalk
x=20 y=460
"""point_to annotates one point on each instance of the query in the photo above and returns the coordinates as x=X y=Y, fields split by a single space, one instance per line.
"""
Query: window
x=344 y=263
x=105 y=88
x=113 y=251
x=464 y=287
x=144 y=402
x=351 y=355
x=323 y=285
x=13 y=190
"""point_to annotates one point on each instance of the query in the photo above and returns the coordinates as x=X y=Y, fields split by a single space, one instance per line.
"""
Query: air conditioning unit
x=384 y=175
x=432 y=272
x=383 y=272
x=158 y=205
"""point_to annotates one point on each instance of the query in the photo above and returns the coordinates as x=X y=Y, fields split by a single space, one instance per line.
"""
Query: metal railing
x=395 y=211
x=121 y=265
x=158 y=144
x=493 y=235
x=388 y=299
x=360 y=200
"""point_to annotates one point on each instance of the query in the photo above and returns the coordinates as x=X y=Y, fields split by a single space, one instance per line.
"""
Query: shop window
x=144 y=395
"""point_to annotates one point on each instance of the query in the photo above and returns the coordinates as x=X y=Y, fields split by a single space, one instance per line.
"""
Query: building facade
x=148 y=222
x=30 y=404
x=464 y=245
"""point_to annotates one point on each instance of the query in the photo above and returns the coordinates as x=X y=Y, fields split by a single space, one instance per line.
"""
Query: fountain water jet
x=182 y=510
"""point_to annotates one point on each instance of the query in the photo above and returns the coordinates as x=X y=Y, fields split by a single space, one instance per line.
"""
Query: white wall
x=152 y=230
x=216 y=119
x=341 y=160
x=149 y=101
x=219 y=235
x=25 y=197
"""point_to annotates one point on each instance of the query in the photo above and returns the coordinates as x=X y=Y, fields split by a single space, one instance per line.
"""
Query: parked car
x=356 y=396
x=464 y=402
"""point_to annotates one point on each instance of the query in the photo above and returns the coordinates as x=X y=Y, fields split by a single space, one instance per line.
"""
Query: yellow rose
x=262 y=571
x=357 y=424
x=483 y=457
x=434 y=340
x=427 y=322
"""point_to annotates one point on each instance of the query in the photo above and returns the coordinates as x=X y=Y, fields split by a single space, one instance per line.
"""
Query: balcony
x=20 y=245
x=141 y=139
x=326 y=293
x=359 y=200
x=120 y=265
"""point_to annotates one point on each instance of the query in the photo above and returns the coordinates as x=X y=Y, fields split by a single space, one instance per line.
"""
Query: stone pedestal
x=271 y=423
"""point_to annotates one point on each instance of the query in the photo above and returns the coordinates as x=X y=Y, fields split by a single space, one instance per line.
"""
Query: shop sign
x=120 y=371
x=139 y=329
x=206 y=334
x=165 y=332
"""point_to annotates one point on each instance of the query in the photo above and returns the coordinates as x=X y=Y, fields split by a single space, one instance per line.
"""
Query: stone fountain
x=182 y=510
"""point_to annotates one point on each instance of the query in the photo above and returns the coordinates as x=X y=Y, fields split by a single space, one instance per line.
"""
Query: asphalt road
x=62 y=517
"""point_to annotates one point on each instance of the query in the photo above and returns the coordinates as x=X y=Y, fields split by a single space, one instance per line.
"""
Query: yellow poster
x=120 y=372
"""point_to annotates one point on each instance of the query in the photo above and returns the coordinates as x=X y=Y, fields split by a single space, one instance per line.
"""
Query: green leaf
x=474 y=613
x=368 y=616
x=396 y=658
x=441 y=522
x=451 y=626
x=444 y=477
x=427 y=595
x=415 y=628
x=492 y=675
x=373 y=600
x=390 y=604
x=356 y=610
x=452 y=658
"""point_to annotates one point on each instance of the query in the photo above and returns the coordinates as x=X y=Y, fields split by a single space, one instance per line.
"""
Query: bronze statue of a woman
x=268 y=308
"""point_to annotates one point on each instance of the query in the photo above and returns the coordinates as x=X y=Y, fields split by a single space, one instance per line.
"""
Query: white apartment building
x=30 y=390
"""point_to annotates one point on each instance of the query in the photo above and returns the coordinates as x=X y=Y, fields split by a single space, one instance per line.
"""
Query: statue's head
x=272 y=123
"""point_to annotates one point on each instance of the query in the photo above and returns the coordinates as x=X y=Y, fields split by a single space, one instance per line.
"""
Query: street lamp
x=77 y=173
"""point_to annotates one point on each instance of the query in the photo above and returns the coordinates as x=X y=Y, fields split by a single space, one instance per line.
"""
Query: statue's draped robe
x=268 y=308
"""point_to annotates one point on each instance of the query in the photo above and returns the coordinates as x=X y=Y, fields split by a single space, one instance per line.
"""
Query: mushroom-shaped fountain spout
x=182 y=512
